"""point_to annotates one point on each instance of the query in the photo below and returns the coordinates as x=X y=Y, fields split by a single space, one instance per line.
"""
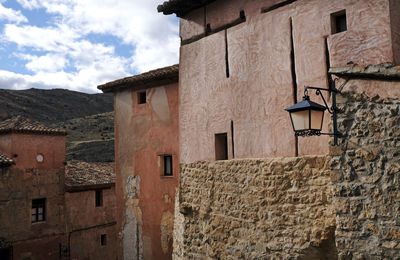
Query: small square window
x=99 y=198
x=103 y=239
x=167 y=165
x=338 y=22
x=142 y=97
x=221 y=146
x=38 y=211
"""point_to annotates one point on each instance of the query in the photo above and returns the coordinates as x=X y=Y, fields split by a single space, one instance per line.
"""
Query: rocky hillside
x=88 y=118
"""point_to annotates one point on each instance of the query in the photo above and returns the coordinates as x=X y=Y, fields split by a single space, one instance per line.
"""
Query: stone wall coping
x=388 y=72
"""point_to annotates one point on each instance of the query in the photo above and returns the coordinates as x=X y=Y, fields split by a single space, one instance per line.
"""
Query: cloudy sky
x=79 y=44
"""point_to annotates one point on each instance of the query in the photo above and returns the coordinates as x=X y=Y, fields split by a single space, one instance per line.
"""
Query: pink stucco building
x=147 y=161
x=242 y=62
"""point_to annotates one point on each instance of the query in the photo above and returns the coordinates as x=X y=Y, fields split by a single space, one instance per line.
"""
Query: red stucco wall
x=85 y=225
x=145 y=197
x=28 y=180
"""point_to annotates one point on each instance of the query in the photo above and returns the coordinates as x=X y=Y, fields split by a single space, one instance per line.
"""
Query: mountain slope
x=88 y=118
x=52 y=106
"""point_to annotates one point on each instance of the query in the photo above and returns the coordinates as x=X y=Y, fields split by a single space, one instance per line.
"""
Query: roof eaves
x=181 y=7
x=153 y=78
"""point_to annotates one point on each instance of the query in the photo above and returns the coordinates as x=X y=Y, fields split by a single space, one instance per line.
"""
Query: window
x=221 y=146
x=38 y=211
x=99 y=198
x=339 y=22
x=103 y=239
x=142 y=97
x=167 y=165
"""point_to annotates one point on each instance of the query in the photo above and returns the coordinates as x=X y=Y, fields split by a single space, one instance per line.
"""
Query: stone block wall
x=256 y=209
x=366 y=169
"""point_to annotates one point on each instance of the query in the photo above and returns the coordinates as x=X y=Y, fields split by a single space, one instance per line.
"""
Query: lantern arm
x=319 y=93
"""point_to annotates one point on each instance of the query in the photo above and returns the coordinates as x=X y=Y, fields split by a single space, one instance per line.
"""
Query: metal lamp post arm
x=318 y=92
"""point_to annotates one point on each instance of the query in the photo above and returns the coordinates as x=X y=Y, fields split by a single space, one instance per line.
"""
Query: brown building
x=90 y=210
x=32 y=207
x=47 y=210
x=146 y=157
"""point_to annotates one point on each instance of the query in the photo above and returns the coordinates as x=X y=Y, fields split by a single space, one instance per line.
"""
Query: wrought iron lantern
x=307 y=116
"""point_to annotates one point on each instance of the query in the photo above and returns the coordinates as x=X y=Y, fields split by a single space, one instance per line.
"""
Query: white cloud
x=11 y=15
x=49 y=62
x=152 y=36
x=29 y=4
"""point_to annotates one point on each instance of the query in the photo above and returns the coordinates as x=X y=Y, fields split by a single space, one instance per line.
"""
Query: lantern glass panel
x=300 y=119
x=316 y=119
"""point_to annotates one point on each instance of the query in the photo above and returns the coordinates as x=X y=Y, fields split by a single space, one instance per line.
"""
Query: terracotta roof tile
x=19 y=124
x=153 y=78
x=5 y=161
x=181 y=7
x=81 y=174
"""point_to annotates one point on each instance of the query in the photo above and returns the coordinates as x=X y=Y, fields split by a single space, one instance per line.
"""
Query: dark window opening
x=38 y=212
x=142 y=97
x=6 y=253
x=167 y=165
x=99 y=198
x=221 y=146
x=103 y=239
x=339 y=22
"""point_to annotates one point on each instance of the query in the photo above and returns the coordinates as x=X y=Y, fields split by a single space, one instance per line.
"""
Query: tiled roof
x=153 y=78
x=380 y=71
x=19 y=124
x=181 y=7
x=5 y=161
x=85 y=175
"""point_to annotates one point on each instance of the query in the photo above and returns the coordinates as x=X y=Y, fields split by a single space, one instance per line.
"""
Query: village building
x=249 y=188
x=90 y=210
x=146 y=161
x=46 y=212
x=32 y=218
x=241 y=64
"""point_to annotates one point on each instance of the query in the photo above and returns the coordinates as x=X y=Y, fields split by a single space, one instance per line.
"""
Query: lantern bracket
x=318 y=92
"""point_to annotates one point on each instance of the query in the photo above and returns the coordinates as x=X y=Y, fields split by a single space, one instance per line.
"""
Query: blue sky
x=79 y=44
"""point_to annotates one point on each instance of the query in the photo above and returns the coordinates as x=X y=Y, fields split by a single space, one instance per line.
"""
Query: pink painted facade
x=28 y=180
x=260 y=85
x=86 y=225
x=70 y=226
x=146 y=130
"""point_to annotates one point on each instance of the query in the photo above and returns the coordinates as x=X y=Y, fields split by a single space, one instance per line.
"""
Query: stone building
x=147 y=161
x=242 y=63
x=47 y=210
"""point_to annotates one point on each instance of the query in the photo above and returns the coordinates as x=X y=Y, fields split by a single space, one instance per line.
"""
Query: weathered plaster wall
x=366 y=172
x=86 y=244
x=17 y=189
x=23 y=149
x=260 y=83
x=256 y=209
x=143 y=133
x=90 y=215
x=85 y=225
x=40 y=248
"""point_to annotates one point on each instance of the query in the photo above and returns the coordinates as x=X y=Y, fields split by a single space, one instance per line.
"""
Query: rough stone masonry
x=366 y=169
x=254 y=208
x=342 y=206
